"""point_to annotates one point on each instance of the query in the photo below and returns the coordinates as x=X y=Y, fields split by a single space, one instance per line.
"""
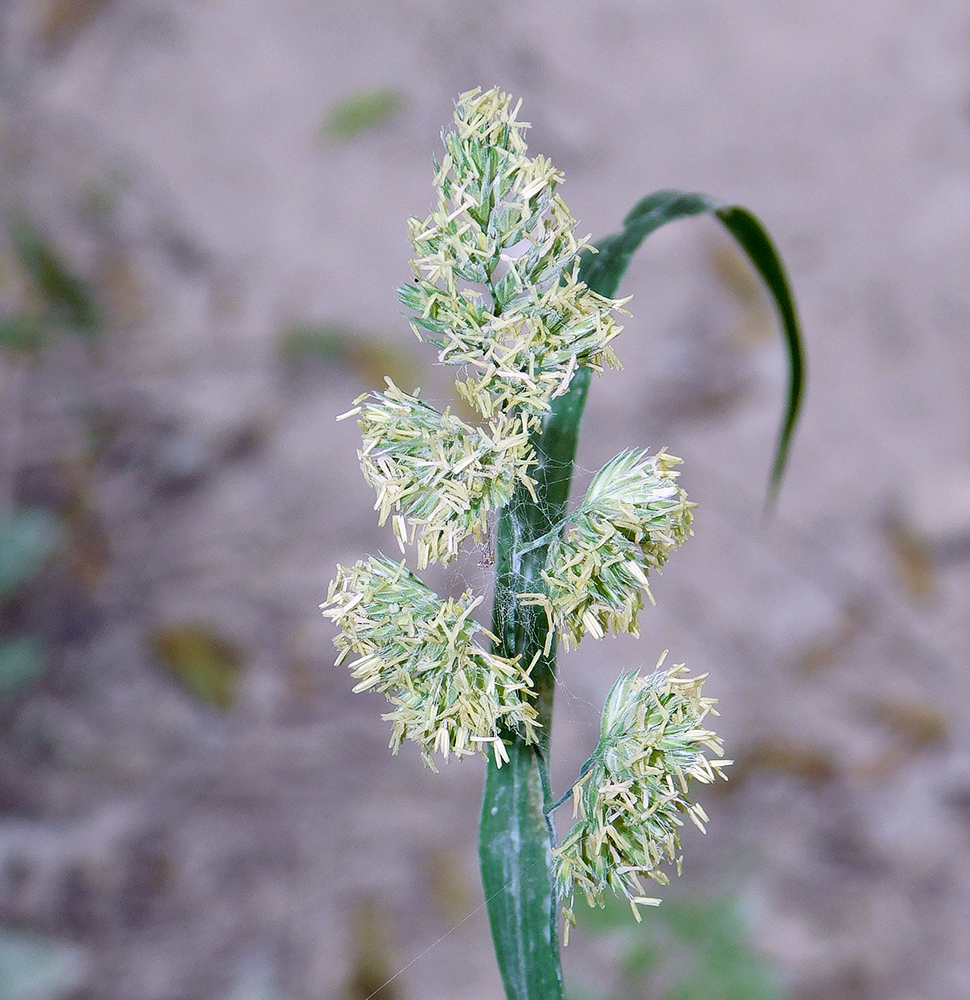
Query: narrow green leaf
x=514 y=834
x=602 y=272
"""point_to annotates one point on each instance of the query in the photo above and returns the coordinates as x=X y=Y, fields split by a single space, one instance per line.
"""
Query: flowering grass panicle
x=496 y=273
x=521 y=307
x=633 y=790
x=450 y=695
x=632 y=517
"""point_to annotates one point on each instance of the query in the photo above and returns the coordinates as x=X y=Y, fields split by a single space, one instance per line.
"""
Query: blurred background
x=204 y=209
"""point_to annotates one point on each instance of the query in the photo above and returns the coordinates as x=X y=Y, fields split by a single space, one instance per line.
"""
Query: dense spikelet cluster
x=632 y=517
x=496 y=273
x=439 y=476
x=450 y=695
x=633 y=791
x=497 y=291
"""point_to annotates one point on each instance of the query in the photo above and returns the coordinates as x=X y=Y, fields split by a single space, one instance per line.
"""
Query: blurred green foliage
x=67 y=300
x=685 y=949
x=22 y=660
x=29 y=538
x=36 y=968
x=329 y=345
x=361 y=111
x=22 y=334
x=57 y=301
x=324 y=342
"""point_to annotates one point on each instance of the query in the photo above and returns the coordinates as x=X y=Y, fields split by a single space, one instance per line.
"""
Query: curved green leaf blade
x=515 y=836
x=603 y=270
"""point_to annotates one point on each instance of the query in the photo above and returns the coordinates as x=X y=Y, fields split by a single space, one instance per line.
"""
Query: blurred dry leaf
x=88 y=550
x=64 y=487
x=940 y=518
x=912 y=558
x=184 y=456
x=826 y=652
x=361 y=111
x=302 y=678
x=780 y=755
x=914 y=726
x=915 y=723
x=208 y=664
x=448 y=884
x=123 y=291
x=62 y=20
x=374 y=954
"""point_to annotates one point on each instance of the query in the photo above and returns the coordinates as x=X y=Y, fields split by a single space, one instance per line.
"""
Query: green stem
x=516 y=833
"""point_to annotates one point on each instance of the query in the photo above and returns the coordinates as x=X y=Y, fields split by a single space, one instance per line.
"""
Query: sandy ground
x=173 y=152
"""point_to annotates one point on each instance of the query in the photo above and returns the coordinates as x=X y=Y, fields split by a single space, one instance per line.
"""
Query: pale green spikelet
x=634 y=789
x=436 y=474
x=632 y=517
x=496 y=273
x=450 y=695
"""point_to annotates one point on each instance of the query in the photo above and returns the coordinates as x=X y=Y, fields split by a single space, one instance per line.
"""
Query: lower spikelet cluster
x=450 y=695
x=633 y=790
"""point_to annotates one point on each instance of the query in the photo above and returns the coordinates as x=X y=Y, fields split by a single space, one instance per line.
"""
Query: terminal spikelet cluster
x=496 y=285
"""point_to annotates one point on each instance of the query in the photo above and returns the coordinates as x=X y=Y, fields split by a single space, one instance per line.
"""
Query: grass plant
x=526 y=312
